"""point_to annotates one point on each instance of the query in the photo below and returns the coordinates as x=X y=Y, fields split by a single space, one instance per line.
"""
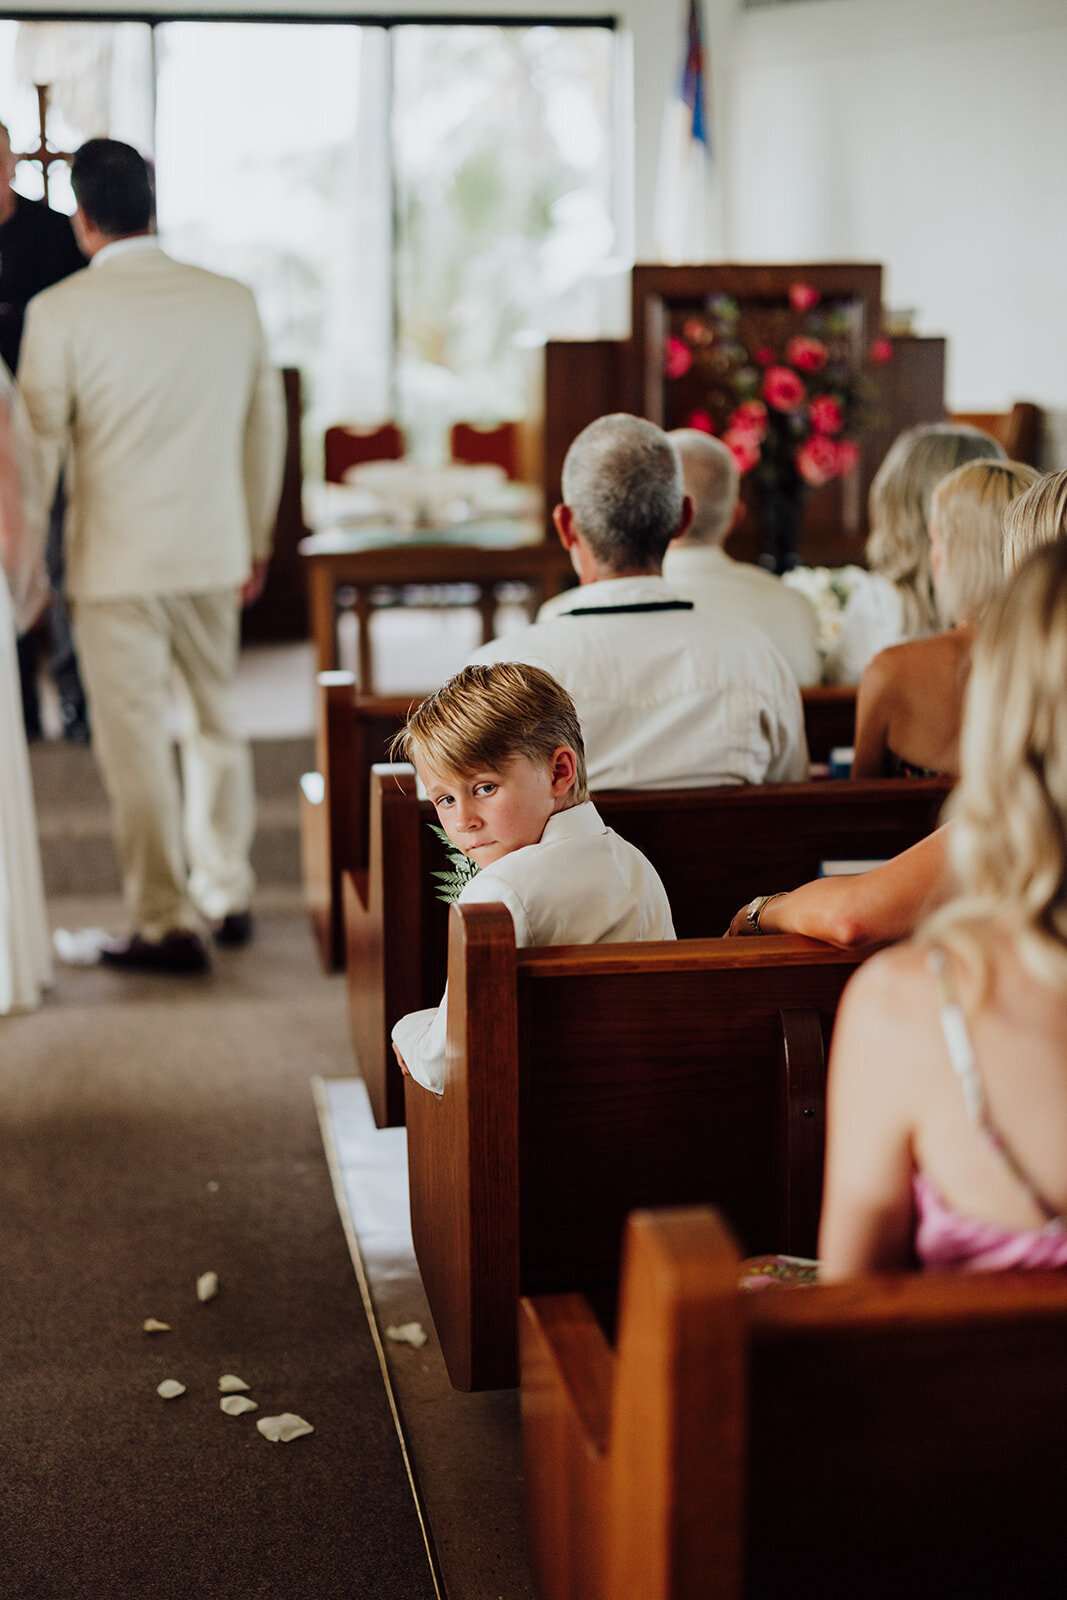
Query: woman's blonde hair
x=1035 y=519
x=967 y=509
x=1009 y=830
x=899 y=542
x=484 y=717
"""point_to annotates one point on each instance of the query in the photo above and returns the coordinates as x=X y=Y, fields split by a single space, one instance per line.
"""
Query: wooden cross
x=43 y=154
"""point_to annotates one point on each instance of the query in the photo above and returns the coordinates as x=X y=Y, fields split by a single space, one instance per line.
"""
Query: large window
x=414 y=206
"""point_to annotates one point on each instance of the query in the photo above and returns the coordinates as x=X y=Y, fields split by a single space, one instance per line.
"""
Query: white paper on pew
x=412 y=1333
x=845 y=869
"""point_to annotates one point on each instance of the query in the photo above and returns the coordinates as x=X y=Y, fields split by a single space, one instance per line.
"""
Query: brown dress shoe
x=234 y=929
x=179 y=950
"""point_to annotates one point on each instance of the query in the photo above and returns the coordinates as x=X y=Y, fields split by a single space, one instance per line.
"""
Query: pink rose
x=743 y=446
x=826 y=415
x=817 y=459
x=802 y=296
x=677 y=359
x=701 y=421
x=750 y=417
x=848 y=457
x=782 y=389
x=807 y=354
x=764 y=356
x=881 y=351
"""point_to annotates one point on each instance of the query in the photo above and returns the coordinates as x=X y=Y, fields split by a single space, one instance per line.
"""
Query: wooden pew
x=889 y=1437
x=829 y=718
x=585 y=1080
x=713 y=848
x=353 y=731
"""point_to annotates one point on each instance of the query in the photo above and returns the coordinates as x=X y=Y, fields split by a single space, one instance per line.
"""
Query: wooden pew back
x=585 y=1080
x=713 y=848
x=354 y=731
x=885 y=1437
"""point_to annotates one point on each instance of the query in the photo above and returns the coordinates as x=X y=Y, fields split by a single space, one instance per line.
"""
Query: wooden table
x=484 y=555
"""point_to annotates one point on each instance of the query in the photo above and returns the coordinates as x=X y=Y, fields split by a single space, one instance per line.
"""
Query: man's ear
x=564 y=766
x=563 y=522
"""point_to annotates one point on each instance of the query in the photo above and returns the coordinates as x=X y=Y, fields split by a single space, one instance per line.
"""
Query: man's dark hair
x=113 y=185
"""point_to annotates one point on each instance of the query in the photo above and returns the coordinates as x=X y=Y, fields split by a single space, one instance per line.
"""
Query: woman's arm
x=864 y=908
x=867 y=1220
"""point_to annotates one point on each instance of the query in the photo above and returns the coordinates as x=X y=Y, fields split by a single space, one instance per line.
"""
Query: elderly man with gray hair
x=697 y=566
x=667 y=696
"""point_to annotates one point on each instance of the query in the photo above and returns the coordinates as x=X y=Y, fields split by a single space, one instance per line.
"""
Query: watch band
x=755 y=908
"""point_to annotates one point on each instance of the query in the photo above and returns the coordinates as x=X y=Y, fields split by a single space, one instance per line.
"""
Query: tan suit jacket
x=150 y=380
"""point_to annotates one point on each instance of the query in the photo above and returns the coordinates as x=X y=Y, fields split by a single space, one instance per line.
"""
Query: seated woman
x=947 y=1133
x=894 y=600
x=910 y=702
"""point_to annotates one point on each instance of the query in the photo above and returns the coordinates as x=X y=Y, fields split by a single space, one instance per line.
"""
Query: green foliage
x=452 y=883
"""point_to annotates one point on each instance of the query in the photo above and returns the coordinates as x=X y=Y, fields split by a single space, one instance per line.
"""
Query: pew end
x=883 y=1437
x=585 y=1080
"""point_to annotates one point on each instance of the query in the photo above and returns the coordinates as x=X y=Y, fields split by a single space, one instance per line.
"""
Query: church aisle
x=152 y=1129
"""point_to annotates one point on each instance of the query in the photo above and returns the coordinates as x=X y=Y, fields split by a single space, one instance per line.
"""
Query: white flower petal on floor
x=412 y=1333
x=229 y=1384
x=207 y=1286
x=281 y=1429
x=170 y=1389
x=235 y=1405
x=79 y=947
x=153 y=1325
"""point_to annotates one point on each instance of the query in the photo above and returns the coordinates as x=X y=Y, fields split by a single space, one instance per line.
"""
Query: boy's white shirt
x=579 y=884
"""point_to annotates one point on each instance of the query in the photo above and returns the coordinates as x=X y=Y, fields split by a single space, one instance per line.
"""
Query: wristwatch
x=754 y=909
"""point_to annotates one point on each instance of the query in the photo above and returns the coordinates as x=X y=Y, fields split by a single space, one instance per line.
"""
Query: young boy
x=499 y=751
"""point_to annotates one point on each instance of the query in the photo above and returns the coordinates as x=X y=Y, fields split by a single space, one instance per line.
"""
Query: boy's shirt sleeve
x=422 y=1036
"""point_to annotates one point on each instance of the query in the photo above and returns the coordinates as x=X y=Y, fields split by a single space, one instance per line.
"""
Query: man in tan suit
x=150 y=380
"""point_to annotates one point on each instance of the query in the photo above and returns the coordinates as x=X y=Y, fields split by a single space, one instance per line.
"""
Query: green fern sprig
x=450 y=884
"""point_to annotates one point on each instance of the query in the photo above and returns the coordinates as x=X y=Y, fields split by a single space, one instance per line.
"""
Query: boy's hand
x=403 y=1063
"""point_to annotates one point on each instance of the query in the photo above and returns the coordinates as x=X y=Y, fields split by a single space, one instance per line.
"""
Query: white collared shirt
x=716 y=583
x=579 y=884
x=667 y=698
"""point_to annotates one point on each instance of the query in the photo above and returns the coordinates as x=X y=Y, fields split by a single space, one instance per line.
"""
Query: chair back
x=348 y=445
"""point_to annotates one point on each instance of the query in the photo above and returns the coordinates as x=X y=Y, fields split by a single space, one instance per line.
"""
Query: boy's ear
x=564 y=764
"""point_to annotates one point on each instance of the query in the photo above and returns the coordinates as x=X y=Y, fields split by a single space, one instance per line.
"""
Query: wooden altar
x=585 y=379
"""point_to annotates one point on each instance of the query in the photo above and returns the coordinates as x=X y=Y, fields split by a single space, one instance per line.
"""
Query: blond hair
x=486 y=716
x=1035 y=519
x=1009 y=832
x=899 y=542
x=967 y=508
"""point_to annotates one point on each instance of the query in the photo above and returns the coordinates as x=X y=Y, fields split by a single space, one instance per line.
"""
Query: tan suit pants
x=132 y=651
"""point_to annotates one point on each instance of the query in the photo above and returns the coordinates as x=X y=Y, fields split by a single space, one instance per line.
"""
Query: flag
x=682 y=202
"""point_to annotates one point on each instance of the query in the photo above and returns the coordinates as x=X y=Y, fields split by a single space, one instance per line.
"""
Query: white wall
x=930 y=135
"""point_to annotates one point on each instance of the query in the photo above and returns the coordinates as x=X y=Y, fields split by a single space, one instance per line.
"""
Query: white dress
x=25 y=944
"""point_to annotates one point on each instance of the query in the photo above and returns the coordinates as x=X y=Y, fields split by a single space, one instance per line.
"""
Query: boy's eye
x=486 y=788
x=443 y=801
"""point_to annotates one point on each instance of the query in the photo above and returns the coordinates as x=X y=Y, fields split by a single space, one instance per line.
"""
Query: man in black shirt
x=37 y=248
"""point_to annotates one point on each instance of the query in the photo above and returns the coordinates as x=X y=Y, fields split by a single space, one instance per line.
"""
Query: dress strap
x=961 y=1054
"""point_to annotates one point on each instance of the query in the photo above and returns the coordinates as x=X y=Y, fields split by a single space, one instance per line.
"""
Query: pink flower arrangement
x=783 y=386
x=783 y=389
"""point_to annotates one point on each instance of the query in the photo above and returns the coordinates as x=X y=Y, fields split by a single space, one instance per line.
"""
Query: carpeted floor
x=151 y=1130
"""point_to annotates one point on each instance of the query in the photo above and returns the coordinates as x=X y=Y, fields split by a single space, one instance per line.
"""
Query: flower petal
x=170 y=1389
x=412 y=1333
x=207 y=1286
x=279 y=1430
x=235 y=1405
x=153 y=1325
x=230 y=1384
